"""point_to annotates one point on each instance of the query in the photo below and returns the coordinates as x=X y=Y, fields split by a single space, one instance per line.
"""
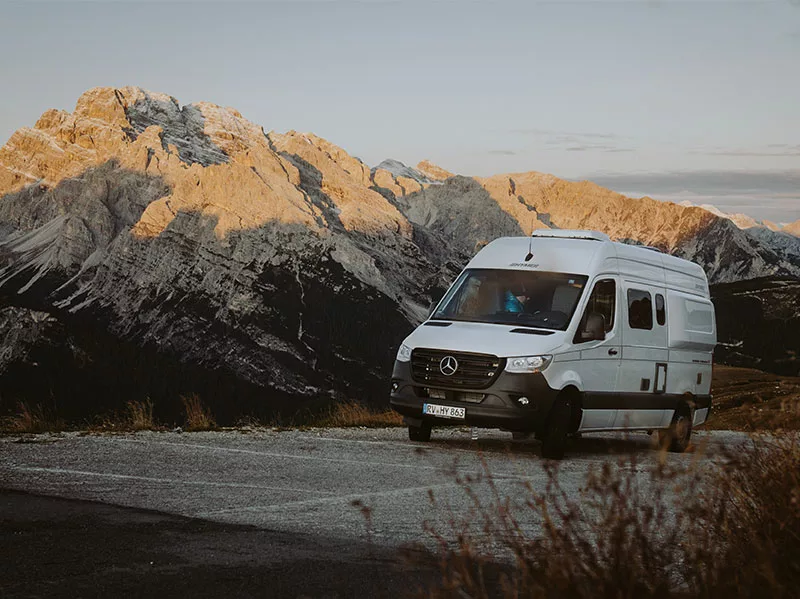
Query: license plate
x=431 y=409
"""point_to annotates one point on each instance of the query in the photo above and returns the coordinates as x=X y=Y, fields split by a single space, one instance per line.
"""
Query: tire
x=679 y=434
x=420 y=433
x=554 y=438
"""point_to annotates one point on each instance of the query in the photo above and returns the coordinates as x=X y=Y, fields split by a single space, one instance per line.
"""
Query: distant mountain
x=743 y=221
x=783 y=240
x=793 y=228
x=153 y=249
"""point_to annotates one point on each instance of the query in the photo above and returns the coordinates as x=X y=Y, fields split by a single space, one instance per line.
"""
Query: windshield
x=537 y=299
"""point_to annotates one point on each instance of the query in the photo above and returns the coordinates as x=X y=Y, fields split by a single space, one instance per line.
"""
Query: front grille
x=474 y=371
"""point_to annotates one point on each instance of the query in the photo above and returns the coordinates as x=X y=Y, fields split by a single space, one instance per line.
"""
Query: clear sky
x=677 y=100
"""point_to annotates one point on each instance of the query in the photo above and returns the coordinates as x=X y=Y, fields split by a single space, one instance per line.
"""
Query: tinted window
x=640 y=309
x=518 y=297
x=661 y=310
x=603 y=301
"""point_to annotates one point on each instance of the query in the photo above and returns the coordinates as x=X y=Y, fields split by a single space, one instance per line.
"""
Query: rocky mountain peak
x=433 y=171
x=793 y=228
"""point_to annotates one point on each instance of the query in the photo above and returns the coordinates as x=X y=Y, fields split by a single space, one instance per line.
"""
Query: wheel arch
x=575 y=397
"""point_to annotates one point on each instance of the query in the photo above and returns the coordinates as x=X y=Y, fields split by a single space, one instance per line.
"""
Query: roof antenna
x=530 y=243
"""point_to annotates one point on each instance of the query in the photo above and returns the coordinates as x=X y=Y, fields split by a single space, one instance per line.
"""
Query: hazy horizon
x=675 y=100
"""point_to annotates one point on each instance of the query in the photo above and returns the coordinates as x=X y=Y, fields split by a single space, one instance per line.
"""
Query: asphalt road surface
x=261 y=513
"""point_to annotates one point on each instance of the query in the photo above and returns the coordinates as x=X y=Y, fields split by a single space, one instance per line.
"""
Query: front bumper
x=499 y=407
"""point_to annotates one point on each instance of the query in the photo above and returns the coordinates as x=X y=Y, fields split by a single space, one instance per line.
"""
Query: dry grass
x=140 y=416
x=752 y=400
x=748 y=527
x=352 y=413
x=198 y=417
x=639 y=531
x=136 y=416
x=36 y=419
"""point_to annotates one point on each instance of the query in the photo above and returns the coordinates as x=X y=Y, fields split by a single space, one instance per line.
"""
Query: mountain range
x=154 y=249
x=743 y=221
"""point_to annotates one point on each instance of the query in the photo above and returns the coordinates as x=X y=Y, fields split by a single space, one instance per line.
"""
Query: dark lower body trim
x=640 y=401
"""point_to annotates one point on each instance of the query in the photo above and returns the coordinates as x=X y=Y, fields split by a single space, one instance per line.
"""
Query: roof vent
x=567 y=234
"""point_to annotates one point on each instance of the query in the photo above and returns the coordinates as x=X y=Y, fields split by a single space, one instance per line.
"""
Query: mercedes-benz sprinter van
x=559 y=333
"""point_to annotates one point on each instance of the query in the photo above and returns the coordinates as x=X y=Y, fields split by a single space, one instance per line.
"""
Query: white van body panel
x=494 y=339
x=562 y=373
x=691 y=324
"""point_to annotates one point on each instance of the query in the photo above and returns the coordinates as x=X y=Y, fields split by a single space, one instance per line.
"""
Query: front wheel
x=677 y=437
x=554 y=438
x=419 y=433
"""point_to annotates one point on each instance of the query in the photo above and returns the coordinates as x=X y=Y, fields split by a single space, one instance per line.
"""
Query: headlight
x=528 y=363
x=404 y=353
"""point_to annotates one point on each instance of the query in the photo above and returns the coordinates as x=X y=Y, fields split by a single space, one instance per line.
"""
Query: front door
x=600 y=359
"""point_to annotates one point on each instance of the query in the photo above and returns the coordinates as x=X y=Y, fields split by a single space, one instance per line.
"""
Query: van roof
x=589 y=253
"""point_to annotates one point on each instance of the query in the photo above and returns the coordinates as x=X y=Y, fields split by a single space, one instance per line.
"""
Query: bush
x=747 y=528
x=140 y=415
x=34 y=419
x=725 y=530
x=198 y=417
x=352 y=413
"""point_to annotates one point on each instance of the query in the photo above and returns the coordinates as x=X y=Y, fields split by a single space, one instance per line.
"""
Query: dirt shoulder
x=751 y=400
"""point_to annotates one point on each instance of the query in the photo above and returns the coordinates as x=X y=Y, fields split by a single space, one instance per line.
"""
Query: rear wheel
x=419 y=433
x=678 y=436
x=554 y=438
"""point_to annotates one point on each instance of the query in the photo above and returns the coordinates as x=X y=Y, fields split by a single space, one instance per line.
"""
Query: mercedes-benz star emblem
x=448 y=365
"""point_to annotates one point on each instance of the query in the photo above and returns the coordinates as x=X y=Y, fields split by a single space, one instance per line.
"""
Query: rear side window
x=661 y=310
x=640 y=309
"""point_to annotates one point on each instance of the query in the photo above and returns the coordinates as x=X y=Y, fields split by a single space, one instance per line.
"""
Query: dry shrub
x=198 y=417
x=135 y=416
x=728 y=530
x=352 y=413
x=747 y=527
x=140 y=415
x=36 y=419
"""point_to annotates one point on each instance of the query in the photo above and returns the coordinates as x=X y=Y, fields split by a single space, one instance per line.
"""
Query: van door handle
x=612 y=352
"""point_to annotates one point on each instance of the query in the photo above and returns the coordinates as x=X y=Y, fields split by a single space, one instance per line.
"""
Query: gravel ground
x=290 y=493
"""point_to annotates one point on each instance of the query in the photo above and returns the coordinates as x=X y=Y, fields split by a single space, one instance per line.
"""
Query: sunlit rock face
x=172 y=249
x=190 y=232
x=792 y=228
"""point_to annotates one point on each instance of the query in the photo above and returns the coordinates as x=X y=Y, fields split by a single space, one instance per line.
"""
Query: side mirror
x=595 y=328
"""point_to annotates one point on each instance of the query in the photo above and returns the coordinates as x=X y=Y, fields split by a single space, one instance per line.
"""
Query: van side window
x=603 y=301
x=640 y=309
x=661 y=310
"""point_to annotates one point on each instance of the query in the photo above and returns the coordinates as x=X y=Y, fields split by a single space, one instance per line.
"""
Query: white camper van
x=559 y=333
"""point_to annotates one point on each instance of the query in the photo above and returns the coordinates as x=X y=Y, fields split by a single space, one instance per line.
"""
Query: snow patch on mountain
x=398 y=169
